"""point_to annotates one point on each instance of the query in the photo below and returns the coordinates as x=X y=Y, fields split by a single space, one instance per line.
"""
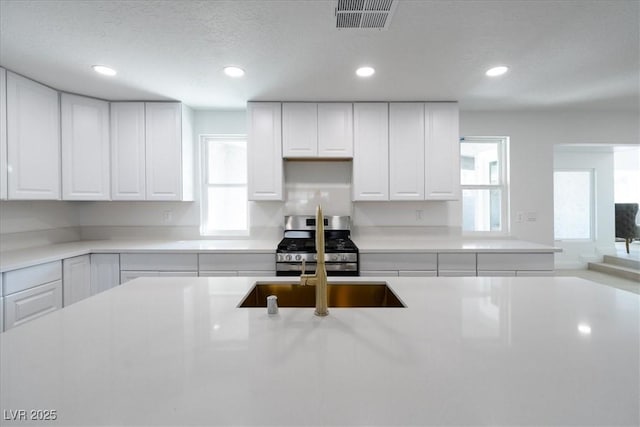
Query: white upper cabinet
x=370 y=152
x=151 y=151
x=335 y=129
x=299 y=129
x=85 y=148
x=33 y=140
x=3 y=135
x=264 y=151
x=406 y=151
x=442 y=151
x=128 y=175
x=163 y=128
x=323 y=130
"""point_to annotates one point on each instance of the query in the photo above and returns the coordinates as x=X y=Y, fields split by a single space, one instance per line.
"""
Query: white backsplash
x=312 y=183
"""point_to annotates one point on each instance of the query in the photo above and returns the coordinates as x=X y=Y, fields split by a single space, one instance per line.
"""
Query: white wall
x=35 y=223
x=532 y=138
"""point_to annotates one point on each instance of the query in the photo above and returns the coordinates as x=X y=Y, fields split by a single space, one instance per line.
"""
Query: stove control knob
x=298 y=257
x=288 y=257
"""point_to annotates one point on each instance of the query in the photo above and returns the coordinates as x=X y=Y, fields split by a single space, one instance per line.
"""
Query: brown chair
x=626 y=222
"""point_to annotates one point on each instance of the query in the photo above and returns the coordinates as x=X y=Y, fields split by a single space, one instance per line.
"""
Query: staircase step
x=622 y=262
x=615 y=270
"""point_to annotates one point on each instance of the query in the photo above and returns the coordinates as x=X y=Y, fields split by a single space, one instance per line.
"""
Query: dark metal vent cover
x=365 y=14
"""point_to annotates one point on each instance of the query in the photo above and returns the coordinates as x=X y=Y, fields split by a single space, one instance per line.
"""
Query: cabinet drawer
x=457 y=262
x=430 y=273
x=126 y=276
x=159 y=262
x=237 y=262
x=539 y=273
x=385 y=273
x=25 y=278
x=24 y=306
x=456 y=273
x=398 y=261
x=496 y=273
x=515 y=261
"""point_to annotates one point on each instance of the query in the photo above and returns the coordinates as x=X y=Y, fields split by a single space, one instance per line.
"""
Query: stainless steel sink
x=361 y=294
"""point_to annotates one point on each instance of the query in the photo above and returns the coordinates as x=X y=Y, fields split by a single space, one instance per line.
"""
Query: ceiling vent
x=364 y=14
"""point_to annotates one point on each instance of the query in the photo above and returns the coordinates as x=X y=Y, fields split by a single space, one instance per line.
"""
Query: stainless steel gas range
x=341 y=254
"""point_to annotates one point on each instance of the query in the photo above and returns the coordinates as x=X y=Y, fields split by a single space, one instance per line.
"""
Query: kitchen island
x=465 y=351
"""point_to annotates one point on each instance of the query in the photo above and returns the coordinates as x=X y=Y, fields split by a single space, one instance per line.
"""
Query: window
x=573 y=204
x=484 y=177
x=224 y=204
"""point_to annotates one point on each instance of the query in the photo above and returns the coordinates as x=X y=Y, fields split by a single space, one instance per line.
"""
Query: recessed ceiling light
x=365 y=71
x=497 y=71
x=234 y=71
x=104 y=70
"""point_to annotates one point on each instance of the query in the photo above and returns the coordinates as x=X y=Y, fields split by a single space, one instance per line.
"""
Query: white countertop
x=466 y=351
x=12 y=260
x=373 y=244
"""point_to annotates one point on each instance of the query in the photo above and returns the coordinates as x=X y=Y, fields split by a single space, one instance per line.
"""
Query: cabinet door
x=127 y=151
x=27 y=305
x=33 y=140
x=159 y=261
x=76 y=279
x=299 y=129
x=406 y=151
x=442 y=151
x=371 y=152
x=264 y=151
x=163 y=128
x=335 y=130
x=85 y=148
x=3 y=136
x=105 y=272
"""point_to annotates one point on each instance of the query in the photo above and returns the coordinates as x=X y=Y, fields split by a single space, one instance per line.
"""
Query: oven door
x=333 y=268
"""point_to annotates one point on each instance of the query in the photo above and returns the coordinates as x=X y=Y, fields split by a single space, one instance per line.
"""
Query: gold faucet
x=319 y=279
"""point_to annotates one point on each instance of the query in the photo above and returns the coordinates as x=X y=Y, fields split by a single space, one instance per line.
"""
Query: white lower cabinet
x=394 y=264
x=496 y=273
x=105 y=272
x=379 y=273
x=456 y=264
x=24 y=306
x=76 y=279
x=540 y=273
x=492 y=264
x=417 y=273
x=3 y=139
x=31 y=292
x=236 y=264
x=134 y=265
x=126 y=276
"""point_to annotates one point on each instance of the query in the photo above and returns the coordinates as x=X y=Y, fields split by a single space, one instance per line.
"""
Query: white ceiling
x=563 y=54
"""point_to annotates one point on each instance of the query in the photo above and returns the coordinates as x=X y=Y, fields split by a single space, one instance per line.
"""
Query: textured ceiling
x=563 y=54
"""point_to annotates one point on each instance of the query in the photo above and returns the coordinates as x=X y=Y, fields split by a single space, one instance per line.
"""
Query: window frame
x=205 y=230
x=502 y=186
